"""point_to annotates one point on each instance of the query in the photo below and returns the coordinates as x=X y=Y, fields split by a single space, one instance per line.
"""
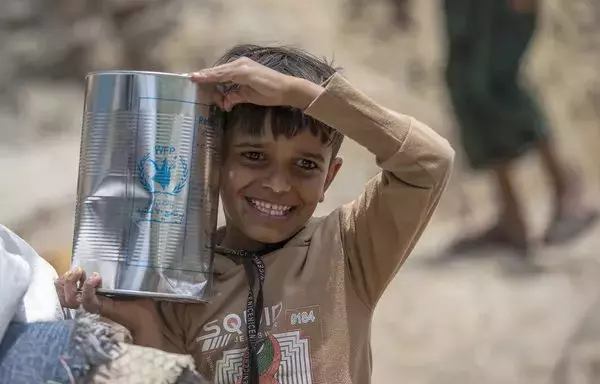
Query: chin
x=268 y=235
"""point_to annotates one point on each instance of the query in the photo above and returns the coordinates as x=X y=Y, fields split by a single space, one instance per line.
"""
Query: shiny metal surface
x=147 y=193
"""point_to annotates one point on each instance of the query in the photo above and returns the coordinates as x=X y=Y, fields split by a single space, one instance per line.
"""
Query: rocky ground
x=480 y=320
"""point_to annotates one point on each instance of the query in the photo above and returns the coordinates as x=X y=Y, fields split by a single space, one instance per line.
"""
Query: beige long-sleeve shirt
x=321 y=288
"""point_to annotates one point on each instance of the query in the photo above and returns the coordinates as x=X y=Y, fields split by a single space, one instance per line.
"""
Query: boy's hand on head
x=258 y=84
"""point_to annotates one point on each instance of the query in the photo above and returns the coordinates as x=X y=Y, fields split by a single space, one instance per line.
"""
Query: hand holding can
x=75 y=289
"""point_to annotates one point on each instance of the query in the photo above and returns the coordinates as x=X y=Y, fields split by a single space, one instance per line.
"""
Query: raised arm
x=381 y=227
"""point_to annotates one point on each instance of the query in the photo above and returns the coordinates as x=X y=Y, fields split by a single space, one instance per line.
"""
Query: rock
x=64 y=41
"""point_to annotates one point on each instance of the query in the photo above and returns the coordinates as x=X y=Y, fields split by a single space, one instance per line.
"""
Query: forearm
x=148 y=338
x=409 y=149
x=380 y=228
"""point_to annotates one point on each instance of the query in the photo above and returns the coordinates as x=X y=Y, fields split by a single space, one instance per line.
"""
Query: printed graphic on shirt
x=231 y=328
x=285 y=355
x=283 y=358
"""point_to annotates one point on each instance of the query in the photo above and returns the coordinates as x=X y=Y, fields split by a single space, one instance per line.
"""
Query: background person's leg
x=470 y=27
x=515 y=32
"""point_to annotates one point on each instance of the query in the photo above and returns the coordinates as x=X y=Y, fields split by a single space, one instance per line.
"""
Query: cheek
x=234 y=179
x=311 y=190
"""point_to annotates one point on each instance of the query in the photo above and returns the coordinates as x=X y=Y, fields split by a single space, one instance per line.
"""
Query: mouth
x=272 y=210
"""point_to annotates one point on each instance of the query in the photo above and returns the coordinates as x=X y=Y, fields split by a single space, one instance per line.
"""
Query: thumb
x=234 y=98
x=89 y=300
x=241 y=95
x=104 y=306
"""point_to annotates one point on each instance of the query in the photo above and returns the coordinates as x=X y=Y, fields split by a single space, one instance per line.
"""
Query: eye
x=307 y=164
x=253 y=155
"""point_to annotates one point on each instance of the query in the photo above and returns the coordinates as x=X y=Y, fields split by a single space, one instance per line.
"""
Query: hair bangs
x=286 y=121
x=283 y=121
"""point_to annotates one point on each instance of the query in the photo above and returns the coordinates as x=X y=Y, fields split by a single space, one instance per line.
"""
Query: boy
x=285 y=123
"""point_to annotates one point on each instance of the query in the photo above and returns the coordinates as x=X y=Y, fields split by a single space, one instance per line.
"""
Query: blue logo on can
x=165 y=173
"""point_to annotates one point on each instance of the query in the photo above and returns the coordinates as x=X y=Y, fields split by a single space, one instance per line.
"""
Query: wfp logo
x=164 y=173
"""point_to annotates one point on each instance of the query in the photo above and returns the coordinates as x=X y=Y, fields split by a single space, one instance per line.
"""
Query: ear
x=332 y=172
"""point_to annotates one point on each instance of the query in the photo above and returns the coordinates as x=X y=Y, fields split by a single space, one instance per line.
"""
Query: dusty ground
x=489 y=320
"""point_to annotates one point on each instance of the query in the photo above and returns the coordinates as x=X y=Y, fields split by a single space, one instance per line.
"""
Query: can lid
x=132 y=72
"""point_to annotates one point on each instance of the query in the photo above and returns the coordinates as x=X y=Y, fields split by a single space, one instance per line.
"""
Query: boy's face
x=271 y=186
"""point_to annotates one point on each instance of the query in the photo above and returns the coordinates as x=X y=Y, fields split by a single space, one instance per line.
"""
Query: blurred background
x=491 y=319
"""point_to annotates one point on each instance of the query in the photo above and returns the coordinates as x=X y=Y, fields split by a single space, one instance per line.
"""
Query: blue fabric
x=43 y=352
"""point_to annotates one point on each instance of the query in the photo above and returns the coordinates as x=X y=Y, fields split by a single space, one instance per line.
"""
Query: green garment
x=498 y=118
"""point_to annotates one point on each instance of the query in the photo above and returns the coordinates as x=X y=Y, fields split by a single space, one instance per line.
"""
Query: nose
x=277 y=181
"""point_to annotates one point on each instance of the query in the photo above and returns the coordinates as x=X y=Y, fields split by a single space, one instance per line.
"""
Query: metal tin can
x=147 y=194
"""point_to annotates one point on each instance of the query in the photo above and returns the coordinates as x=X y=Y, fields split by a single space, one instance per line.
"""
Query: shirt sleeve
x=380 y=228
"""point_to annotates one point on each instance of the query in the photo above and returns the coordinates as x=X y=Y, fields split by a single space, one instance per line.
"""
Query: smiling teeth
x=270 y=208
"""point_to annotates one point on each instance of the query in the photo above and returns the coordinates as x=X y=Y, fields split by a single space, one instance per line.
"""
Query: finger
x=90 y=301
x=231 y=64
x=231 y=99
x=234 y=74
x=59 y=287
x=221 y=76
x=103 y=306
x=73 y=279
x=242 y=61
x=217 y=98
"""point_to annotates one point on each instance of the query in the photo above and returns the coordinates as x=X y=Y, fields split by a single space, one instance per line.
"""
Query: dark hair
x=285 y=121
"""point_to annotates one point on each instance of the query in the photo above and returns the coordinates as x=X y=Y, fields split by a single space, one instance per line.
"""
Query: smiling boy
x=295 y=302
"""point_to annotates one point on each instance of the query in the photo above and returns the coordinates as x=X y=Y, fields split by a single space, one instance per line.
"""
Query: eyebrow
x=246 y=144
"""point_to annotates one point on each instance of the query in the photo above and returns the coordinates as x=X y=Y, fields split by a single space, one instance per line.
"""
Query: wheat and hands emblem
x=162 y=174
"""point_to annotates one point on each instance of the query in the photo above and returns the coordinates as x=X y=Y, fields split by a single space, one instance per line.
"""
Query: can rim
x=133 y=72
